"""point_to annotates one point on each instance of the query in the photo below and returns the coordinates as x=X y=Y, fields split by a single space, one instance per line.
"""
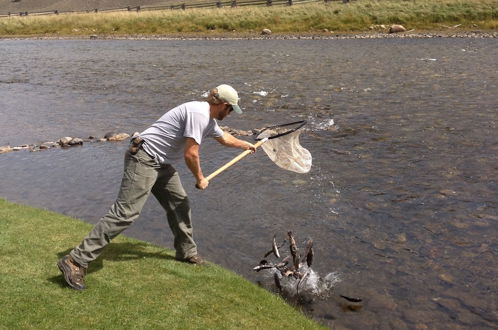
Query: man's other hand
x=202 y=184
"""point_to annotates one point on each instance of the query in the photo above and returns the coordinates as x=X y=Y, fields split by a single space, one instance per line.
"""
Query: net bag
x=284 y=149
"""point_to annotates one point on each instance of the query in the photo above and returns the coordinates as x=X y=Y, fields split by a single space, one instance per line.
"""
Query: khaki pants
x=142 y=175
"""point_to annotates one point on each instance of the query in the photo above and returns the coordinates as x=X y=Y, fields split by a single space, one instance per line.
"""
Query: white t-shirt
x=165 y=139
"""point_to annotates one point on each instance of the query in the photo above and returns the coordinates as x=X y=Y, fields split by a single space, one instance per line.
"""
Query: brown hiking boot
x=74 y=274
x=196 y=260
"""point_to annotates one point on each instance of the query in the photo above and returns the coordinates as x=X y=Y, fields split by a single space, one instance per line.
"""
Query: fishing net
x=284 y=149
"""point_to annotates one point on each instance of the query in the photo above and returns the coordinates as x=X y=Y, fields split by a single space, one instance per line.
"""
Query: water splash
x=325 y=190
x=292 y=275
x=311 y=286
x=315 y=124
x=261 y=93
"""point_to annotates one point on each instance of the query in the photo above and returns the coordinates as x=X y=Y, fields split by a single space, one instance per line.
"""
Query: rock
x=384 y=302
x=236 y=132
x=109 y=134
x=446 y=277
x=64 y=142
x=266 y=32
x=401 y=238
x=483 y=248
x=76 y=141
x=5 y=149
x=396 y=28
x=350 y=306
x=417 y=315
x=298 y=182
x=447 y=192
x=47 y=145
x=117 y=137
x=377 y=27
x=23 y=147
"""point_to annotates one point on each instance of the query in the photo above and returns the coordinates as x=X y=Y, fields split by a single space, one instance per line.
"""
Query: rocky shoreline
x=68 y=141
x=411 y=34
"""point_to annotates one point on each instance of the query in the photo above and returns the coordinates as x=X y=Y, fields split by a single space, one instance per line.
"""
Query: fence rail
x=183 y=6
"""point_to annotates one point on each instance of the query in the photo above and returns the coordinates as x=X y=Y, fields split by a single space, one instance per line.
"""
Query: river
x=401 y=201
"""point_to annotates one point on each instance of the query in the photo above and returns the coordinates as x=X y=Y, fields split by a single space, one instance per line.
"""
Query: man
x=179 y=132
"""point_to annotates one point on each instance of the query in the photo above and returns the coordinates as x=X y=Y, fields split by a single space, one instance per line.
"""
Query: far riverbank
x=366 y=18
x=230 y=36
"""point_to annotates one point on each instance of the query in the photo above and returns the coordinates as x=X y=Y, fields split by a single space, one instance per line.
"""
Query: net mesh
x=286 y=151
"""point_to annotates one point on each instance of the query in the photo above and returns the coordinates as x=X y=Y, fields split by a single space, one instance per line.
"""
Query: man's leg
x=169 y=192
x=140 y=173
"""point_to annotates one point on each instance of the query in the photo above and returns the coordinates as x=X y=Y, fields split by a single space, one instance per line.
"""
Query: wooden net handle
x=233 y=161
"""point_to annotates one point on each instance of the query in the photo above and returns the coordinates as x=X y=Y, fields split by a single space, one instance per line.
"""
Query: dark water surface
x=402 y=198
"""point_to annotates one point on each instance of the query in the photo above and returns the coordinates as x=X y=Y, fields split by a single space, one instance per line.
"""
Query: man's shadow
x=114 y=252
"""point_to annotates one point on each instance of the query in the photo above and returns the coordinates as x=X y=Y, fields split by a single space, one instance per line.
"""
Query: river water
x=401 y=201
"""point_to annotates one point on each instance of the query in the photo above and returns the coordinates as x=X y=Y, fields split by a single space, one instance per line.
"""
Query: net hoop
x=298 y=125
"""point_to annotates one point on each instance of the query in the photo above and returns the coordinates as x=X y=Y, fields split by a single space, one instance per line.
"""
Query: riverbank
x=336 y=36
x=316 y=19
x=141 y=285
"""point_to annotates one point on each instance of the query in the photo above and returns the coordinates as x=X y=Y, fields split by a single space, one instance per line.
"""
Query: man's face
x=225 y=111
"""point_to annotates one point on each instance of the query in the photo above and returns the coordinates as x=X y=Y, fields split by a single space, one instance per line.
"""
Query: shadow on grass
x=114 y=252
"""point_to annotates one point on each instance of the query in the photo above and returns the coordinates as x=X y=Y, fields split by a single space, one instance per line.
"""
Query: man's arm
x=229 y=140
x=193 y=161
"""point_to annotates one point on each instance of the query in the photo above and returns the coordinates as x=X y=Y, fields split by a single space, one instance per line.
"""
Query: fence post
x=345 y=1
x=96 y=10
x=269 y=2
x=183 y=6
x=56 y=12
x=289 y=2
x=234 y=3
x=138 y=9
x=218 y=4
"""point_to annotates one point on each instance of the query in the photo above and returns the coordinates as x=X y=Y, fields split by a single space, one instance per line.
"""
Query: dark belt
x=135 y=145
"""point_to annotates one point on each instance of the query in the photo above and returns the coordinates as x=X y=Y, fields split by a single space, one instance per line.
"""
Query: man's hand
x=250 y=146
x=193 y=162
x=202 y=184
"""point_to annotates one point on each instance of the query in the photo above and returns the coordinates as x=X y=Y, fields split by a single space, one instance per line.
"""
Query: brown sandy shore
x=287 y=36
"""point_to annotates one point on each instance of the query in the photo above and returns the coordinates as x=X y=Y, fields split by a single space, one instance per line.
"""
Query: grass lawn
x=357 y=16
x=134 y=284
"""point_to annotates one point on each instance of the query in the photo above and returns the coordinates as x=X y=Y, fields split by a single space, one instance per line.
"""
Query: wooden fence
x=217 y=4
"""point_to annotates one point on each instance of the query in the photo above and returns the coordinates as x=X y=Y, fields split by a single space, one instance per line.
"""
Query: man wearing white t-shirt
x=178 y=133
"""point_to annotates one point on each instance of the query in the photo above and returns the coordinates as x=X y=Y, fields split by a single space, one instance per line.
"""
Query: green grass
x=357 y=16
x=132 y=285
